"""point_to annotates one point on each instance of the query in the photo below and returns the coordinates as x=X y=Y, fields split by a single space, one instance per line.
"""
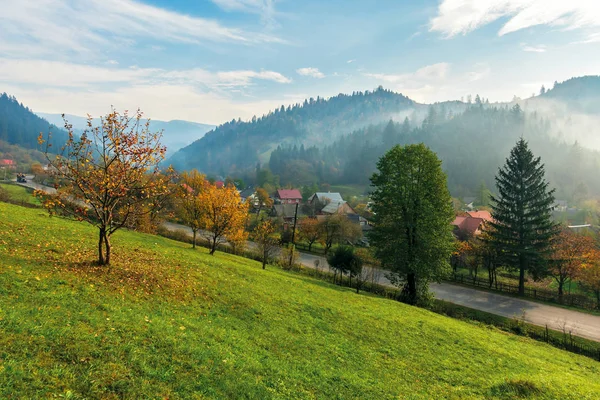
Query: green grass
x=166 y=321
x=19 y=194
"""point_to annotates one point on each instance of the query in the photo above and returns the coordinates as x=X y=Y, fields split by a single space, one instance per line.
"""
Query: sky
x=214 y=60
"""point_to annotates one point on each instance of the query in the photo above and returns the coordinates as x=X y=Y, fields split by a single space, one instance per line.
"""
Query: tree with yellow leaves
x=191 y=205
x=223 y=215
x=109 y=175
x=266 y=240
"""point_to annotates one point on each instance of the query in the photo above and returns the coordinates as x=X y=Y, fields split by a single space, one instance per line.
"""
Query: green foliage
x=170 y=322
x=412 y=214
x=344 y=261
x=522 y=228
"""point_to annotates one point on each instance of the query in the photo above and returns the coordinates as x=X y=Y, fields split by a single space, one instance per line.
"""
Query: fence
x=572 y=300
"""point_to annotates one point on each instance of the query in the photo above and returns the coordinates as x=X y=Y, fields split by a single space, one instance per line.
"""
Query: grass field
x=166 y=321
x=19 y=193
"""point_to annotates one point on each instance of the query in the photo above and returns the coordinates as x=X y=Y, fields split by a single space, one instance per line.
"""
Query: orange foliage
x=223 y=215
x=570 y=252
x=109 y=175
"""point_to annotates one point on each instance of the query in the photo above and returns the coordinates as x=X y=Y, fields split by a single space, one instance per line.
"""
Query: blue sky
x=211 y=61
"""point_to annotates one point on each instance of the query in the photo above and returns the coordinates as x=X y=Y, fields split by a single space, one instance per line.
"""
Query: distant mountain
x=238 y=146
x=176 y=133
x=21 y=127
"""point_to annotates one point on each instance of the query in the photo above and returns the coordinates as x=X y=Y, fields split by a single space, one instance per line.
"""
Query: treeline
x=236 y=146
x=470 y=144
x=20 y=126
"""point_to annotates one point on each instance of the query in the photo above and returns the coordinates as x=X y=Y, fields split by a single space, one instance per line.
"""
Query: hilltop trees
x=522 y=227
x=109 y=175
x=412 y=214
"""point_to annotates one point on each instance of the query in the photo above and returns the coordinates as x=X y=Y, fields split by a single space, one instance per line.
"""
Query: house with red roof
x=470 y=223
x=8 y=163
x=288 y=196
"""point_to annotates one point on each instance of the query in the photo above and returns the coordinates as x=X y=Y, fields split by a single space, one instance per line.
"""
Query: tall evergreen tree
x=412 y=214
x=523 y=228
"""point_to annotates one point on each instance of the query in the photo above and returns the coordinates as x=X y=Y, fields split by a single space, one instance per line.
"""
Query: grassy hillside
x=166 y=321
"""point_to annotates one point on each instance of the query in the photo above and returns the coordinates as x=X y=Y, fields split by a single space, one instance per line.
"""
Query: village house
x=470 y=223
x=287 y=212
x=288 y=196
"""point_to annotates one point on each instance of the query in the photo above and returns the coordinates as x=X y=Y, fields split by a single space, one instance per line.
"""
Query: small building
x=560 y=206
x=248 y=193
x=337 y=208
x=8 y=163
x=288 y=196
x=325 y=198
x=287 y=212
x=470 y=224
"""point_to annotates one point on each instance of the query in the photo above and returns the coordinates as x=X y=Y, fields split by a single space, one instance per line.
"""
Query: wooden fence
x=573 y=300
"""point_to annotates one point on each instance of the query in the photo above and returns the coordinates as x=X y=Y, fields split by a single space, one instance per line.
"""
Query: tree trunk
x=522 y=277
x=106 y=249
x=213 y=247
x=561 y=283
x=411 y=285
x=194 y=238
x=264 y=260
x=100 y=246
x=310 y=246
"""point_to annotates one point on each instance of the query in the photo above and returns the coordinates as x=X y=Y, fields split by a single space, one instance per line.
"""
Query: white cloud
x=463 y=16
x=350 y=61
x=533 y=49
x=112 y=62
x=436 y=82
x=265 y=8
x=63 y=74
x=309 y=71
x=82 y=26
x=429 y=73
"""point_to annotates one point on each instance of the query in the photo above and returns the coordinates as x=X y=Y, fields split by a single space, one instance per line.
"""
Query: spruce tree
x=522 y=226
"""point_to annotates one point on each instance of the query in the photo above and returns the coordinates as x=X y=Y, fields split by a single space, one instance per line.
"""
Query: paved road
x=578 y=323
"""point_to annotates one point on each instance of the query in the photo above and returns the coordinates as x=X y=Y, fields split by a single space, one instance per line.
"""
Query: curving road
x=557 y=318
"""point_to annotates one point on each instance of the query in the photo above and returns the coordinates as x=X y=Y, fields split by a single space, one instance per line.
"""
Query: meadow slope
x=166 y=321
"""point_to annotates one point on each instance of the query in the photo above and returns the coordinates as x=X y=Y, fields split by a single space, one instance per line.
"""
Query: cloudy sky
x=211 y=61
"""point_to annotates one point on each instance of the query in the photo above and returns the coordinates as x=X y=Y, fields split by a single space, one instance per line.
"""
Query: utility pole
x=295 y=221
x=293 y=246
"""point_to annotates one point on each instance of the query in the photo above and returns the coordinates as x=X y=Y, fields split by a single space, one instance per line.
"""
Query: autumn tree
x=589 y=275
x=264 y=200
x=309 y=230
x=223 y=215
x=266 y=240
x=337 y=228
x=412 y=231
x=191 y=208
x=570 y=252
x=522 y=214
x=109 y=175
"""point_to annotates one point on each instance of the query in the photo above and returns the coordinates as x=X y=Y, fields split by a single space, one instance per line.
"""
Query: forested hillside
x=237 y=146
x=20 y=126
x=338 y=141
x=471 y=145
